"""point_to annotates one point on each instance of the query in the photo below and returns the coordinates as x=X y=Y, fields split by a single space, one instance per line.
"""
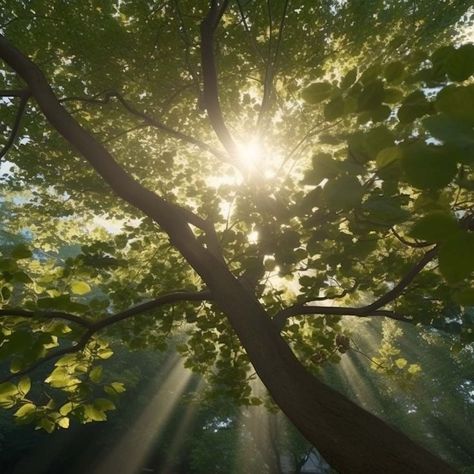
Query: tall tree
x=342 y=167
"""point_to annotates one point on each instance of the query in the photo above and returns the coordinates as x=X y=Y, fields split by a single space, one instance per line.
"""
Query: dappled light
x=216 y=213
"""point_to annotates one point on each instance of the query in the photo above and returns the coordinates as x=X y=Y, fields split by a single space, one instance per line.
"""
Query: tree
x=366 y=200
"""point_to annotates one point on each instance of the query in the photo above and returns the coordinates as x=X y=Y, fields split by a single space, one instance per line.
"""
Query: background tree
x=359 y=190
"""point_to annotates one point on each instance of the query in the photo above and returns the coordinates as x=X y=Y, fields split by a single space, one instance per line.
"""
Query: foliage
x=362 y=191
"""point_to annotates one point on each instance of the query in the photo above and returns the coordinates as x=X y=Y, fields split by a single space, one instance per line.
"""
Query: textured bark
x=350 y=439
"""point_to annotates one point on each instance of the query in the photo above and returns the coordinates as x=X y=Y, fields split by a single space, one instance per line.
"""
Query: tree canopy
x=246 y=175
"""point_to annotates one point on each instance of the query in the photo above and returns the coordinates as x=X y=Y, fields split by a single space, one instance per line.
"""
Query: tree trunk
x=349 y=438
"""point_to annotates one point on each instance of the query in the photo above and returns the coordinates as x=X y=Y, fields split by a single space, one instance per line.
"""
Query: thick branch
x=92 y=328
x=25 y=95
x=209 y=75
x=176 y=297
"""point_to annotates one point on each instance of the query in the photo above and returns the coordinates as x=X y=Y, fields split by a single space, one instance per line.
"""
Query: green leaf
x=60 y=378
x=435 y=227
x=380 y=113
x=91 y=413
x=317 y=92
x=105 y=353
x=349 y=79
x=324 y=166
x=7 y=389
x=385 y=210
x=25 y=410
x=401 y=362
x=66 y=409
x=47 y=425
x=96 y=374
x=456 y=257
x=24 y=385
x=344 y=192
x=63 y=422
x=414 y=369
x=456 y=102
x=427 y=166
x=465 y=297
x=394 y=71
x=334 y=109
x=415 y=105
x=457 y=133
x=387 y=156
x=392 y=96
x=104 y=404
x=459 y=64
x=20 y=251
x=118 y=387
x=80 y=287
x=377 y=139
x=371 y=96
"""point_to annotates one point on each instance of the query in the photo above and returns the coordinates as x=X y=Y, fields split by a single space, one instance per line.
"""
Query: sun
x=251 y=154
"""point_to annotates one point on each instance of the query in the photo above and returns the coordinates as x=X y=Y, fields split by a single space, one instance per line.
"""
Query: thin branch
x=268 y=77
x=124 y=132
x=249 y=33
x=363 y=311
x=301 y=309
x=187 y=42
x=310 y=133
x=53 y=355
x=16 y=125
x=343 y=293
x=272 y=63
x=404 y=282
x=175 y=133
x=150 y=121
x=404 y=241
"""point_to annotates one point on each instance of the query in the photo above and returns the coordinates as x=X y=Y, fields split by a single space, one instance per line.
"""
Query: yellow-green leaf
x=414 y=368
x=80 y=287
x=25 y=410
x=63 y=422
x=24 y=385
x=400 y=363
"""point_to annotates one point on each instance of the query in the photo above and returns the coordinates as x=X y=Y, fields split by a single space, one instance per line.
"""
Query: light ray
x=132 y=450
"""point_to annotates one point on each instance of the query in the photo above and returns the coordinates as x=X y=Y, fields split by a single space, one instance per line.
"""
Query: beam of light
x=132 y=450
x=179 y=437
x=257 y=439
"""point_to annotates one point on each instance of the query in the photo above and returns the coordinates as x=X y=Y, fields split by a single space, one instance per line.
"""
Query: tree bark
x=350 y=439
